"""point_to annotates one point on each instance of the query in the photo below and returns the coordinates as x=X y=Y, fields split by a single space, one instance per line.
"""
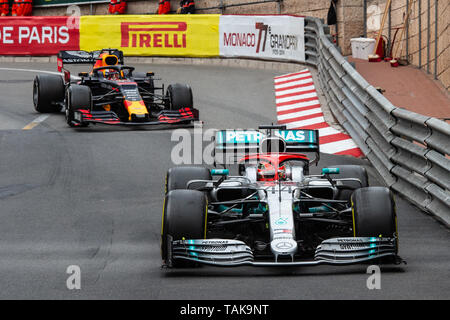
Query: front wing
x=234 y=253
x=110 y=118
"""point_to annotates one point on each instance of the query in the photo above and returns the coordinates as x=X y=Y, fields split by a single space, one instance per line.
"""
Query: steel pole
x=420 y=33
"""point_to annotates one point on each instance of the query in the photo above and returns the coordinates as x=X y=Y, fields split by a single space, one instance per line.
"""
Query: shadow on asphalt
x=276 y=272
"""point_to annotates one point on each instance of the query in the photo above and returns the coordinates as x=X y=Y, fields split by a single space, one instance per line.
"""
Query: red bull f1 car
x=274 y=212
x=111 y=93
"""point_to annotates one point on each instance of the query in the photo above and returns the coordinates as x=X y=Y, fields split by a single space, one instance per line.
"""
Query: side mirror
x=150 y=74
x=83 y=74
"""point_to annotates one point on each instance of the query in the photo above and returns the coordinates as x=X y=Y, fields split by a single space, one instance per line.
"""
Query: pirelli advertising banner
x=264 y=37
x=152 y=35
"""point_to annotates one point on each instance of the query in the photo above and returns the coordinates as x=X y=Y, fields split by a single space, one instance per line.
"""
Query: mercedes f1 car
x=274 y=212
x=111 y=93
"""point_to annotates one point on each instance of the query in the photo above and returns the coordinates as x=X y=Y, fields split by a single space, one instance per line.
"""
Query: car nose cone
x=283 y=246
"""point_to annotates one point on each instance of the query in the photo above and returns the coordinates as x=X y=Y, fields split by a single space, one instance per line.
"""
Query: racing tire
x=77 y=97
x=350 y=171
x=179 y=96
x=48 y=93
x=178 y=177
x=184 y=216
x=374 y=214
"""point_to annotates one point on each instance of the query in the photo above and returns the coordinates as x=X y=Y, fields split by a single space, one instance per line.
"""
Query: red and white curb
x=298 y=107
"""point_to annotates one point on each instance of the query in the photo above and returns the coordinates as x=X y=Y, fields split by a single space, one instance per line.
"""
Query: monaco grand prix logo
x=153 y=34
x=258 y=39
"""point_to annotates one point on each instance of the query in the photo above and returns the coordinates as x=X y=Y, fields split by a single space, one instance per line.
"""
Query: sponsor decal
x=351 y=244
x=243 y=136
x=281 y=221
x=153 y=35
x=253 y=136
x=280 y=37
x=282 y=231
x=214 y=242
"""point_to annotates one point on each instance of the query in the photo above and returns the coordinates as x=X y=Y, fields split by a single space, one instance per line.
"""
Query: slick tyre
x=373 y=212
x=77 y=97
x=179 y=96
x=184 y=217
x=350 y=171
x=48 y=93
x=178 y=177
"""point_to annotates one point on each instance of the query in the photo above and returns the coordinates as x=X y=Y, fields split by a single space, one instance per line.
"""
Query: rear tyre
x=77 y=97
x=179 y=96
x=184 y=216
x=178 y=177
x=350 y=171
x=374 y=215
x=48 y=93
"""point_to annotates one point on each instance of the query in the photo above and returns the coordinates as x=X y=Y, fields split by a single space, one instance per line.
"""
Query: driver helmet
x=111 y=74
x=266 y=171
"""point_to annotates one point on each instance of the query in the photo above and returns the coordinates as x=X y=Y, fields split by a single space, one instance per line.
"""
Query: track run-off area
x=93 y=198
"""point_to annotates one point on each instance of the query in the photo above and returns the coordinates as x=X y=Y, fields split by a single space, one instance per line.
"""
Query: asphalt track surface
x=93 y=198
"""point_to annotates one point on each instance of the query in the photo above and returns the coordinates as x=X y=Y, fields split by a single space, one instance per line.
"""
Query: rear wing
x=85 y=57
x=238 y=143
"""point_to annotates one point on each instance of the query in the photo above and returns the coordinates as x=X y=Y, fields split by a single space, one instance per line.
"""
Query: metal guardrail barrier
x=410 y=151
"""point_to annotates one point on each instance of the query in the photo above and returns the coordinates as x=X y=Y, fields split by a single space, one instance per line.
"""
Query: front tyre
x=48 y=93
x=374 y=213
x=178 y=177
x=184 y=217
x=77 y=97
x=179 y=96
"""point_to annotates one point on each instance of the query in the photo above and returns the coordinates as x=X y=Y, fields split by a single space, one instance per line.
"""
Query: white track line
x=39 y=71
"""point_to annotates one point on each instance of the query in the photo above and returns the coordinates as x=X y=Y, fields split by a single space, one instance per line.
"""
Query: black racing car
x=111 y=93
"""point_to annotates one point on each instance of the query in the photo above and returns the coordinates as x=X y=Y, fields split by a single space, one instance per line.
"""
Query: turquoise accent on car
x=330 y=170
x=223 y=207
x=319 y=209
x=220 y=172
